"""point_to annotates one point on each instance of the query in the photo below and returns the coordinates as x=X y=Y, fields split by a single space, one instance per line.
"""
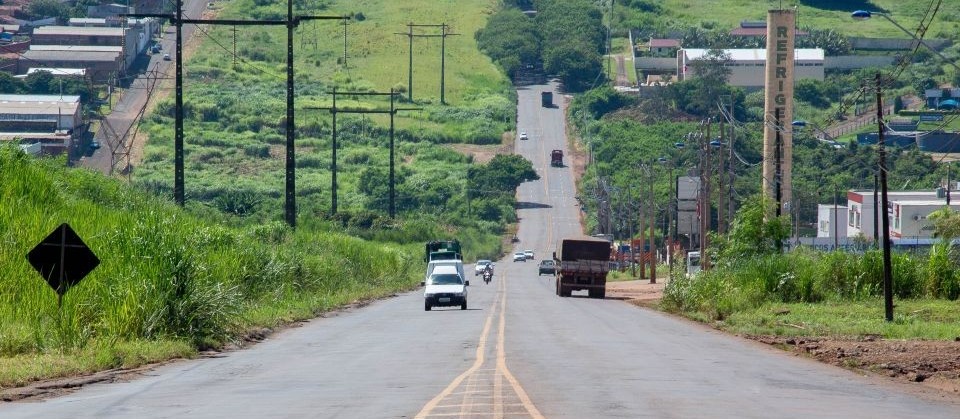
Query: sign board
x=931 y=117
x=62 y=259
x=688 y=187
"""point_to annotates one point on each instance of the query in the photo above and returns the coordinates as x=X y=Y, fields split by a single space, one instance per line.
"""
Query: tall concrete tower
x=778 y=109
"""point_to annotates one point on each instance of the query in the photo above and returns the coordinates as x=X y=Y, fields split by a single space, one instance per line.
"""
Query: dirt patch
x=932 y=364
x=485 y=153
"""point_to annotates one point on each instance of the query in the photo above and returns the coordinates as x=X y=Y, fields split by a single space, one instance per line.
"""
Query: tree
x=502 y=175
x=39 y=82
x=47 y=8
x=10 y=84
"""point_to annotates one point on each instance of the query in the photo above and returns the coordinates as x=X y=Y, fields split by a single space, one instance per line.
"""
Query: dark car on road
x=548 y=267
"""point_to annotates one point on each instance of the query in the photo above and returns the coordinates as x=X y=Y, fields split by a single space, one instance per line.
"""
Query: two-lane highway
x=519 y=352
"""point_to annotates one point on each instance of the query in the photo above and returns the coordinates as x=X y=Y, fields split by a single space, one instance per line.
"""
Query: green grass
x=169 y=283
x=729 y=13
x=235 y=132
x=913 y=319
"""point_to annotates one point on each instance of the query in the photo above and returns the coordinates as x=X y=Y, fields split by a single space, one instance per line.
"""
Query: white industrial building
x=748 y=66
x=908 y=214
x=51 y=120
x=831 y=220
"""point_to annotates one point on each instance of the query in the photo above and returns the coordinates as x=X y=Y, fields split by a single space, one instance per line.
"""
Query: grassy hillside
x=822 y=14
x=169 y=283
x=235 y=139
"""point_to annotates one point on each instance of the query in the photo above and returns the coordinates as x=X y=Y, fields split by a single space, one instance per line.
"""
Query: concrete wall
x=893 y=43
x=655 y=63
x=851 y=62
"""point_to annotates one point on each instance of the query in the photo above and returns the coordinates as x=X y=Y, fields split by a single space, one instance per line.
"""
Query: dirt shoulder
x=931 y=364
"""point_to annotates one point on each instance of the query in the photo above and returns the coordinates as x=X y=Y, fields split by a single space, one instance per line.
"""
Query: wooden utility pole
x=290 y=23
x=885 y=221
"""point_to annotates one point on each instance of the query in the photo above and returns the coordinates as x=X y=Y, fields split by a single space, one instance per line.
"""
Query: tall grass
x=809 y=276
x=166 y=277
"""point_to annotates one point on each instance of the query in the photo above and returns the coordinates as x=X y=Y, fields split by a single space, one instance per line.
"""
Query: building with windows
x=51 y=120
x=908 y=212
x=748 y=66
x=831 y=221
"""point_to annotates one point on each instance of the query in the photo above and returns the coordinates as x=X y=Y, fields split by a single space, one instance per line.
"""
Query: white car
x=445 y=287
x=481 y=265
x=523 y=135
x=519 y=257
x=528 y=254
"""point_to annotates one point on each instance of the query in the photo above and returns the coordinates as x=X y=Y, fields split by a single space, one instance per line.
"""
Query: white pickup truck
x=445 y=287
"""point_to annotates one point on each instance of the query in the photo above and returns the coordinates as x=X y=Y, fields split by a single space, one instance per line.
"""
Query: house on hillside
x=663 y=47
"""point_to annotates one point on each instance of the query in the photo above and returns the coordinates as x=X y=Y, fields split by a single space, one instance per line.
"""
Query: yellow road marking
x=471 y=399
x=502 y=360
x=481 y=348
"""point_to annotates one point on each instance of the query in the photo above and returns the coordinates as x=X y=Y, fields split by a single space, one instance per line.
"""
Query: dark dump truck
x=546 y=99
x=582 y=263
x=442 y=250
x=556 y=158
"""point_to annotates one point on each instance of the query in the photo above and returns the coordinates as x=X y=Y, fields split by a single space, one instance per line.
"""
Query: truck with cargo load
x=546 y=99
x=582 y=263
x=556 y=158
x=443 y=250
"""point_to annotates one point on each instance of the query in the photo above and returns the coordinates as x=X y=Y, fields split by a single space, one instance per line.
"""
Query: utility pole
x=885 y=223
x=876 y=211
x=948 y=184
x=836 y=220
x=334 y=110
x=653 y=230
x=707 y=201
x=643 y=230
x=720 y=172
x=291 y=23
x=443 y=59
x=345 y=23
x=410 y=35
x=730 y=202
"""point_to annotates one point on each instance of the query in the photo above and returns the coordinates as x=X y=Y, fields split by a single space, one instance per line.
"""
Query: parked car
x=519 y=257
x=166 y=57
x=548 y=267
x=94 y=145
x=528 y=254
x=156 y=48
x=445 y=287
x=523 y=135
x=481 y=265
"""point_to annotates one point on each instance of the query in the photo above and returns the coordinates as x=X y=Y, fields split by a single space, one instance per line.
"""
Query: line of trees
x=566 y=38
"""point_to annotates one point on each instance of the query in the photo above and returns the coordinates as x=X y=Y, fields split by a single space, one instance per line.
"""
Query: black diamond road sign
x=63 y=259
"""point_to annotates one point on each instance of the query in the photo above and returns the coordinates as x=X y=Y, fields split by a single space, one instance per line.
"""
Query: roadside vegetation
x=565 y=39
x=173 y=282
x=235 y=119
x=170 y=283
x=753 y=289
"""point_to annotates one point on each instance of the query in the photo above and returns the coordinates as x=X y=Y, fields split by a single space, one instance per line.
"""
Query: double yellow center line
x=475 y=392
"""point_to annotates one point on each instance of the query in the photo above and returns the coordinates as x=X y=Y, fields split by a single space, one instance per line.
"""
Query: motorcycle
x=487 y=276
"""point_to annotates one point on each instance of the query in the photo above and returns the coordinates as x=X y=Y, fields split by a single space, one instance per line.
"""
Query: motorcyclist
x=487 y=273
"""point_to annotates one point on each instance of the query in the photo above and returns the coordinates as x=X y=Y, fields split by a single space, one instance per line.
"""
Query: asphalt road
x=519 y=351
x=125 y=111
